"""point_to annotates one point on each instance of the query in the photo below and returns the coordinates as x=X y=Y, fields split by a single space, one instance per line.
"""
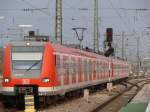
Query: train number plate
x=26 y=81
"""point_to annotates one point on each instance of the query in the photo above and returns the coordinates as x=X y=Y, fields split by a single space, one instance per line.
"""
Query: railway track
x=122 y=98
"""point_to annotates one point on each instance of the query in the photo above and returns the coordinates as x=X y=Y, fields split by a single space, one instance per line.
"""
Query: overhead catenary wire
x=119 y=15
x=46 y=13
x=71 y=7
x=33 y=6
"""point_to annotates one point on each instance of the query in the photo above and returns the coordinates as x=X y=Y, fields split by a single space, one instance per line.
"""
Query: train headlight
x=45 y=80
x=6 y=80
x=28 y=43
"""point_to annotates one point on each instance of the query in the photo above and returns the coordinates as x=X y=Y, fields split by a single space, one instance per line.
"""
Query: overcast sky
x=117 y=14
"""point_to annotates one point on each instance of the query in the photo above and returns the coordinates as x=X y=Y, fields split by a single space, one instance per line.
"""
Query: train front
x=28 y=68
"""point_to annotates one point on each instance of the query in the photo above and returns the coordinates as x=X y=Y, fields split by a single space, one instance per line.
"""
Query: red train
x=47 y=69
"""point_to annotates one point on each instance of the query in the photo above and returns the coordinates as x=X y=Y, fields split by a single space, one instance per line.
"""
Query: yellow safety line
x=29 y=103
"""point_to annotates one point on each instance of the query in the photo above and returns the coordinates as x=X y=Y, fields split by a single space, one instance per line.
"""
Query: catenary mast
x=58 y=22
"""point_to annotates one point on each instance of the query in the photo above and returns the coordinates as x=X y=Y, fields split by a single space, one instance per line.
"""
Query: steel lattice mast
x=96 y=27
x=58 y=22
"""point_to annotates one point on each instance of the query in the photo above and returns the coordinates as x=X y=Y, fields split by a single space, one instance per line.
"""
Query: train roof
x=74 y=51
x=78 y=52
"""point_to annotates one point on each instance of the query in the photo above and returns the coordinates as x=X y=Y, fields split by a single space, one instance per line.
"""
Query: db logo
x=25 y=81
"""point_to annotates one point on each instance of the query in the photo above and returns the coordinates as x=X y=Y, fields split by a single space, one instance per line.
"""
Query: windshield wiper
x=32 y=66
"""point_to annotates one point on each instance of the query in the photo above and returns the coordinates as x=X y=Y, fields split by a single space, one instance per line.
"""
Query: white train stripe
x=8 y=89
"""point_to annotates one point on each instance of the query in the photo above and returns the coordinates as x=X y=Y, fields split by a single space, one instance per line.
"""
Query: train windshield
x=26 y=61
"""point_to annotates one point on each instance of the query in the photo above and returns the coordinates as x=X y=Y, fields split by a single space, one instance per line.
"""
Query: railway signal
x=108 y=42
x=109 y=34
x=58 y=22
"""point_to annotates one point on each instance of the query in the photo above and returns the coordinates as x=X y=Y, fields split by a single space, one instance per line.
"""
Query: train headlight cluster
x=45 y=80
x=6 y=80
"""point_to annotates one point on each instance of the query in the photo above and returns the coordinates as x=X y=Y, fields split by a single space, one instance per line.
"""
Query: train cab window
x=26 y=61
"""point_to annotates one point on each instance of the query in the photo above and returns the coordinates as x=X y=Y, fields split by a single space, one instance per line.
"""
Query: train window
x=65 y=65
x=85 y=69
x=104 y=67
x=70 y=67
x=118 y=68
x=90 y=68
x=73 y=66
x=100 y=67
x=76 y=66
x=79 y=67
x=97 y=68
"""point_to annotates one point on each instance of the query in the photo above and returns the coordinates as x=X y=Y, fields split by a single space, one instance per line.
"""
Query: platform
x=143 y=96
x=140 y=103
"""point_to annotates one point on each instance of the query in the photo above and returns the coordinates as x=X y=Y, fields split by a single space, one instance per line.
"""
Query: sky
x=118 y=14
